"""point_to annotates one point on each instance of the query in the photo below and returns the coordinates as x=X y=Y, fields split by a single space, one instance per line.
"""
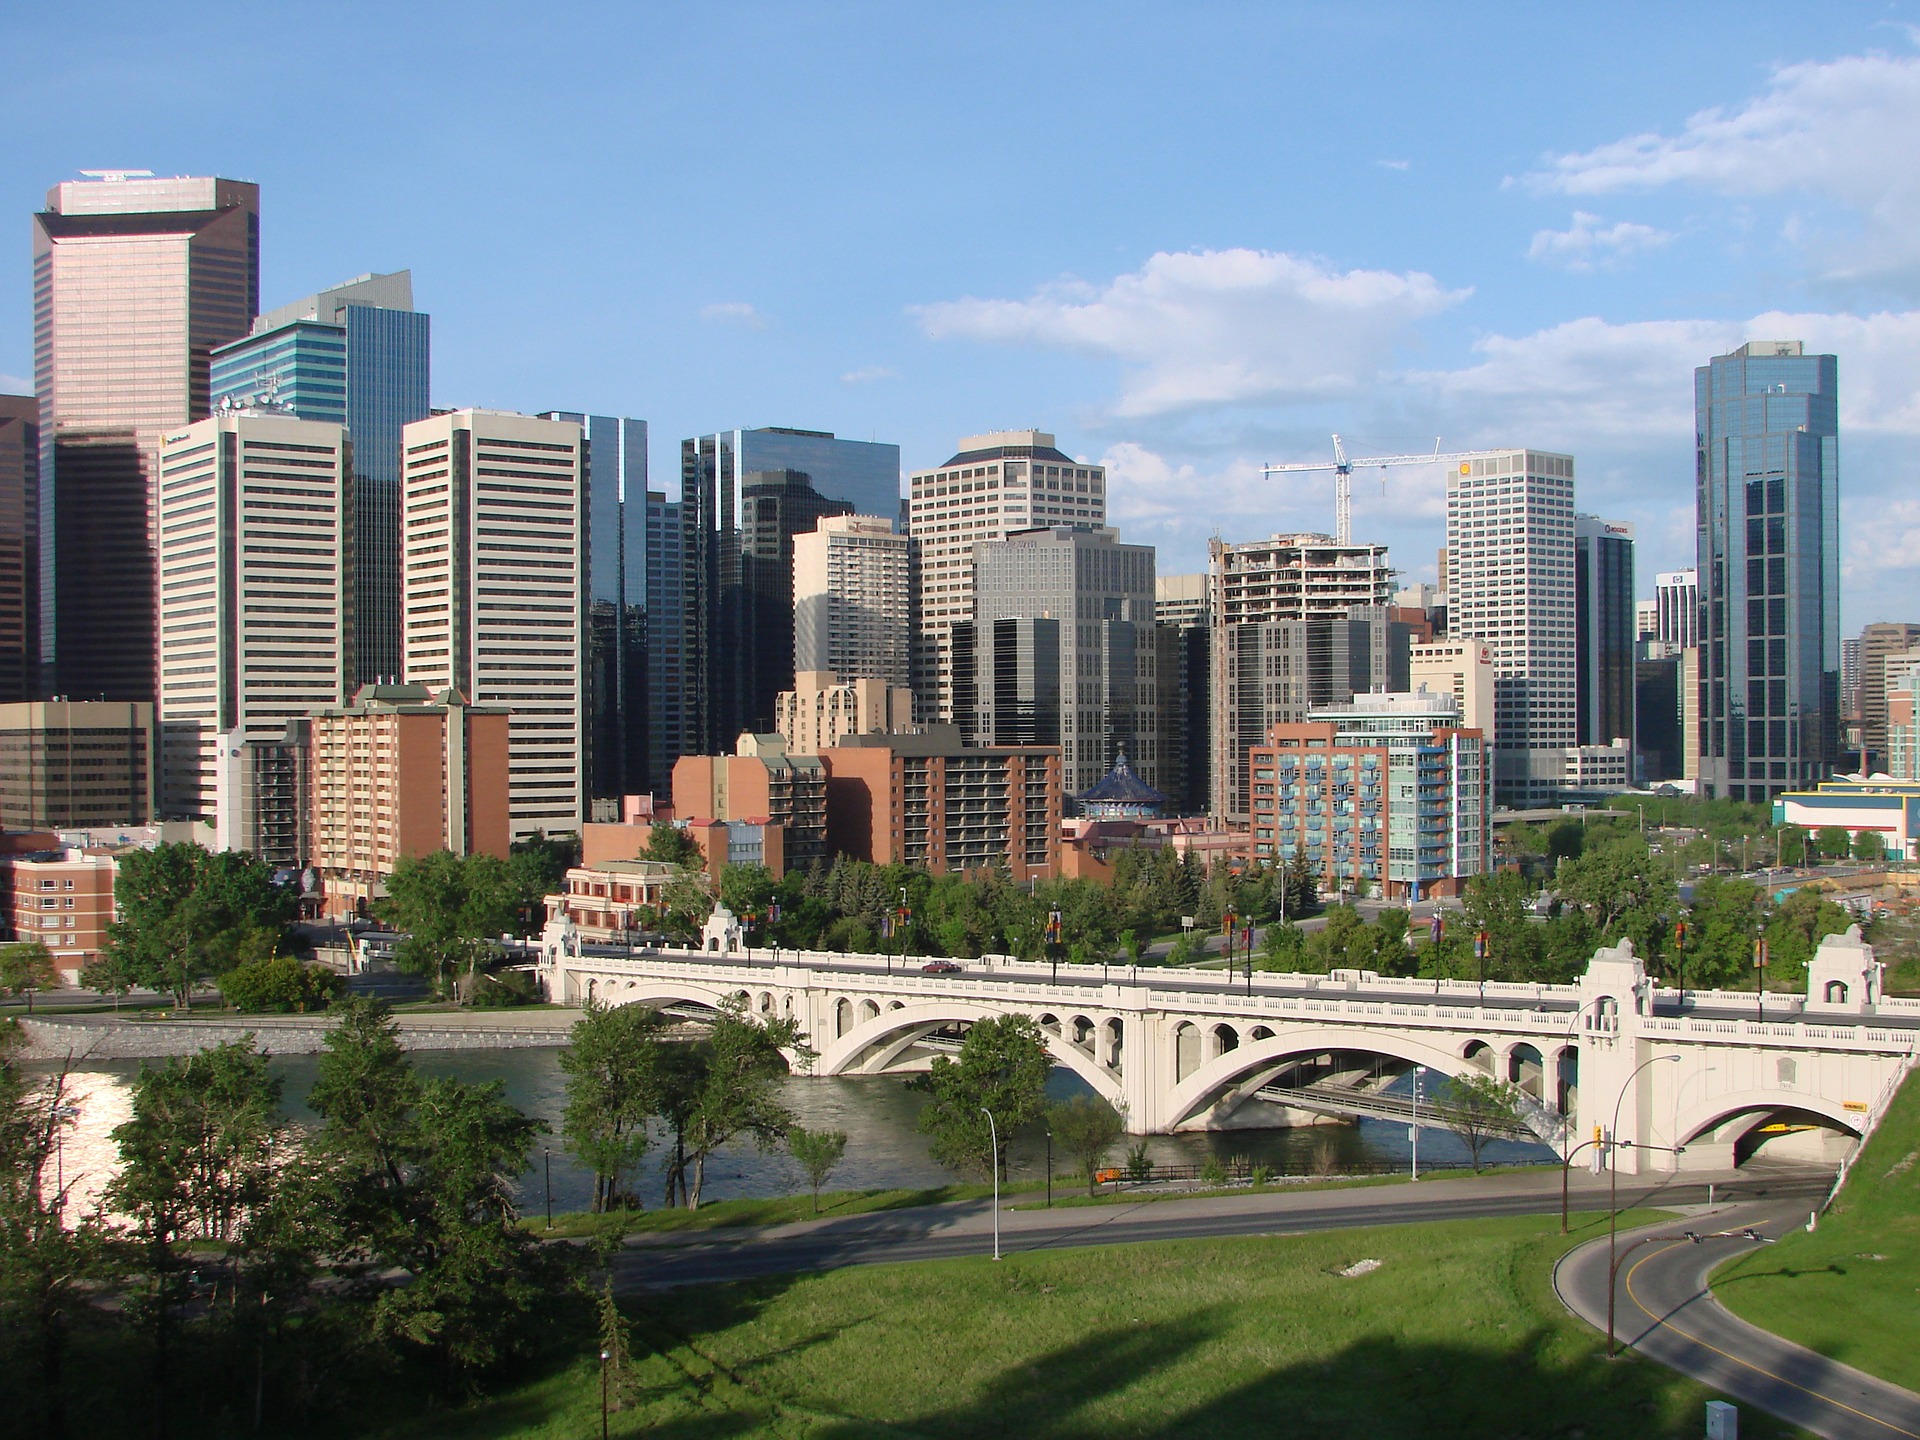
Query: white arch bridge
x=1185 y=1049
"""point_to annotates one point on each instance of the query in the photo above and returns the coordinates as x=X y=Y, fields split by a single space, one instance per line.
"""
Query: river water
x=877 y=1113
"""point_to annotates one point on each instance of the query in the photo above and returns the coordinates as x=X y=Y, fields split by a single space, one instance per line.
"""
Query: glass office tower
x=616 y=605
x=136 y=280
x=744 y=494
x=1603 y=629
x=19 y=548
x=1767 y=490
x=357 y=355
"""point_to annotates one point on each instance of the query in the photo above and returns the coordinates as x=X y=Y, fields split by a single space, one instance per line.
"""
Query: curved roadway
x=1664 y=1309
x=937 y=1232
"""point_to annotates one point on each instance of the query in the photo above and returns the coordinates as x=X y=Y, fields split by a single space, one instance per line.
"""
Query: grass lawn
x=1456 y=1334
x=1850 y=1288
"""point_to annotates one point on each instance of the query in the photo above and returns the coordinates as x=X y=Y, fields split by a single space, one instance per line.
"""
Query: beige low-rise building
x=822 y=710
x=403 y=771
x=615 y=901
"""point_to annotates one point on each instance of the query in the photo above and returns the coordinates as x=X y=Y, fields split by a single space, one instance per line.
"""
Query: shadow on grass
x=1114 y=1383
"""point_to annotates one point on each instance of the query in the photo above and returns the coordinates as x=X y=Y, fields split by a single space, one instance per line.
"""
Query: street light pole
x=1049 y=1167
x=1613 y=1194
x=605 y=1356
x=993 y=1161
x=1413 y=1130
x=1760 y=972
x=547 y=1155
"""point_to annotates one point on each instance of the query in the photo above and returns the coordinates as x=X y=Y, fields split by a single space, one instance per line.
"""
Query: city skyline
x=1179 y=344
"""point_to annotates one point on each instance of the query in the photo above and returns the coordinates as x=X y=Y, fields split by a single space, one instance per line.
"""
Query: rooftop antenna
x=118 y=174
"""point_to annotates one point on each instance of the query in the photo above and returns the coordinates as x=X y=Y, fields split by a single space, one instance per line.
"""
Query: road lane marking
x=1633 y=1269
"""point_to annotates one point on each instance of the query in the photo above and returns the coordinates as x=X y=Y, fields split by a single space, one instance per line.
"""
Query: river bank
x=145 y=1036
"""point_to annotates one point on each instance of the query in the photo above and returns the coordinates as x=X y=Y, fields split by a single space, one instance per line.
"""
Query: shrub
x=1212 y=1172
x=280 y=984
x=496 y=989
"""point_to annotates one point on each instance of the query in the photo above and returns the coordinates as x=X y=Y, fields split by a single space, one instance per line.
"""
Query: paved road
x=939 y=1232
x=1664 y=1309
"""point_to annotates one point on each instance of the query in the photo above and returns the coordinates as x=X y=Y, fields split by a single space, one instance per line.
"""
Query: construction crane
x=1342 y=469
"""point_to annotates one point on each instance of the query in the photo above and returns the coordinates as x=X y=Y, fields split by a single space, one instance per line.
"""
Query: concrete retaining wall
x=104 y=1038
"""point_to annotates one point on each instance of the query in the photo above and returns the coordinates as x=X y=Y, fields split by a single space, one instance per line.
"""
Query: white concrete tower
x=493 y=577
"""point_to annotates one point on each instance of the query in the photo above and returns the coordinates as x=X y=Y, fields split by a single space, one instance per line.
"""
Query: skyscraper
x=1510 y=577
x=616 y=596
x=493 y=592
x=1100 y=594
x=669 y=710
x=1676 y=595
x=853 y=600
x=744 y=495
x=357 y=355
x=19 y=548
x=1879 y=643
x=993 y=485
x=1603 y=629
x=135 y=281
x=1768 y=517
x=1272 y=602
x=255 y=623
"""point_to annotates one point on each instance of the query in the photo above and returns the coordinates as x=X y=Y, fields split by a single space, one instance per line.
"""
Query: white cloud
x=1394 y=164
x=734 y=312
x=1883 y=547
x=1589 y=243
x=1838 y=130
x=14 y=385
x=866 y=375
x=1216 y=327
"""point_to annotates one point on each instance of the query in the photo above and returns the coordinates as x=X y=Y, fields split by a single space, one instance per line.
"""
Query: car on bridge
x=940 y=967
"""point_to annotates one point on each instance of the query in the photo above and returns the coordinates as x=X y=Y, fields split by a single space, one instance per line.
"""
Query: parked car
x=940 y=967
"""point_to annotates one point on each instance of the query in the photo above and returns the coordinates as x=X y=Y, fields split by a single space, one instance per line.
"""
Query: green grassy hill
x=1850 y=1288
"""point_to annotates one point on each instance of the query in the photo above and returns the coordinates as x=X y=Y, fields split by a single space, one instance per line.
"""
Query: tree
x=816 y=1152
x=1479 y=1108
x=1869 y=846
x=1722 y=932
x=1282 y=947
x=724 y=1085
x=44 y=1261
x=1303 y=887
x=280 y=984
x=109 y=973
x=1834 y=843
x=1002 y=1068
x=613 y=1070
x=186 y=915
x=27 y=966
x=418 y=1176
x=670 y=844
x=451 y=906
x=1086 y=1127
x=198 y=1160
x=198 y=1156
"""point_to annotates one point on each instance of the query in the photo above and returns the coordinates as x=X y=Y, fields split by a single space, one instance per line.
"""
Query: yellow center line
x=1747 y=1364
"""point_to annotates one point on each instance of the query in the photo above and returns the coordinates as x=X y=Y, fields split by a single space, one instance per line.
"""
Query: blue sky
x=1187 y=239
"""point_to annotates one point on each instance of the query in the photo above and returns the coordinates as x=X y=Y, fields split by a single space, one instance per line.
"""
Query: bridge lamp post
x=993 y=1163
x=1760 y=970
x=1613 y=1194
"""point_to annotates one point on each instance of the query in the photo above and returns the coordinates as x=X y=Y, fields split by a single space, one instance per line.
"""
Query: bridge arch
x=1757 y=1107
x=838 y=1057
x=615 y=990
x=1220 y=1075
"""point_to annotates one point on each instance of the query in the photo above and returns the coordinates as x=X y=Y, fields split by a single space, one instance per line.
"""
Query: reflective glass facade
x=19 y=548
x=744 y=495
x=135 y=282
x=1603 y=629
x=616 y=594
x=1768 y=514
x=357 y=355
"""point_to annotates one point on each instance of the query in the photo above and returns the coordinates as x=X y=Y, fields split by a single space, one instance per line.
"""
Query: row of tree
x=256 y=1275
